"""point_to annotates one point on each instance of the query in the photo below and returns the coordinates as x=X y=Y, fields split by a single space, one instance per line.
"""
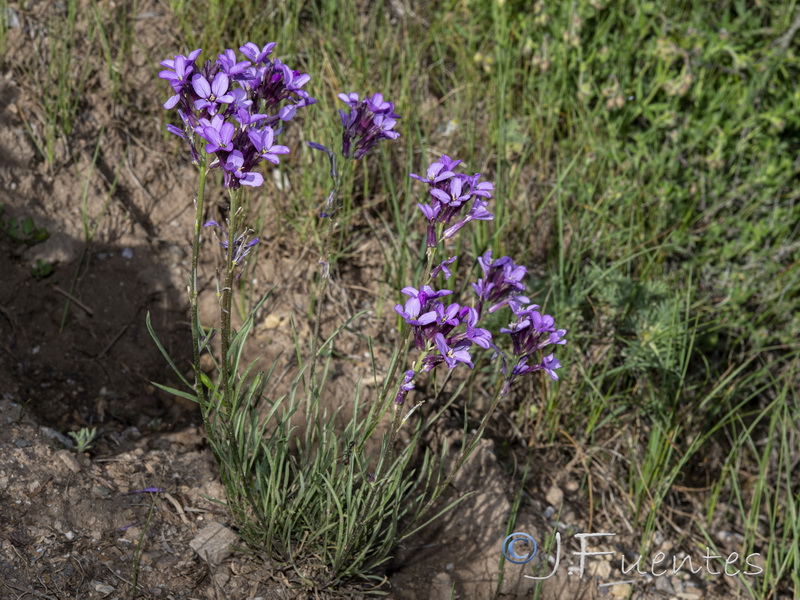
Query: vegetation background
x=645 y=158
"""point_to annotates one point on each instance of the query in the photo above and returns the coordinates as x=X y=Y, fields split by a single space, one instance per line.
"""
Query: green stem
x=239 y=480
x=225 y=307
x=389 y=382
x=466 y=452
x=199 y=388
x=387 y=452
x=323 y=283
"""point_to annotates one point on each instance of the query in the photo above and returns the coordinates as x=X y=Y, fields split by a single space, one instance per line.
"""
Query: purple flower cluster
x=434 y=324
x=450 y=193
x=501 y=283
x=369 y=121
x=530 y=333
x=233 y=106
x=445 y=332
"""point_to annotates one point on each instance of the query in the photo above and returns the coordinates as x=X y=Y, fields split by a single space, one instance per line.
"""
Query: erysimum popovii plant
x=333 y=503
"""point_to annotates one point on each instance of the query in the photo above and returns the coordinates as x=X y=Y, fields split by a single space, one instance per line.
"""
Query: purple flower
x=178 y=76
x=447 y=315
x=453 y=196
x=266 y=81
x=369 y=121
x=478 y=212
x=241 y=247
x=235 y=166
x=241 y=104
x=477 y=335
x=251 y=51
x=217 y=133
x=550 y=364
x=443 y=268
x=481 y=337
x=233 y=106
x=438 y=171
x=407 y=386
x=350 y=99
x=263 y=142
x=147 y=490
x=458 y=353
x=378 y=105
x=176 y=130
x=229 y=65
x=450 y=192
x=170 y=63
x=443 y=332
x=542 y=323
x=501 y=283
x=294 y=80
x=274 y=86
x=211 y=95
x=530 y=333
x=419 y=308
x=480 y=188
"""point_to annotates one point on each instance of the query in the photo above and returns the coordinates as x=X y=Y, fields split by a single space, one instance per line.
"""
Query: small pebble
x=68 y=459
x=100 y=491
x=663 y=584
x=622 y=590
x=554 y=496
x=126 y=253
x=103 y=588
x=55 y=435
x=600 y=568
x=214 y=543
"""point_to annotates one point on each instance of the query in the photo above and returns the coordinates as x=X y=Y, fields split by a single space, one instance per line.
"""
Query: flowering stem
x=389 y=381
x=387 y=452
x=323 y=283
x=225 y=309
x=225 y=412
x=199 y=388
x=464 y=455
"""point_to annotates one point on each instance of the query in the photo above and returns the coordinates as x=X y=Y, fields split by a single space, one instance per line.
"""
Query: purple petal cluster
x=369 y=121
x=241 y=247
x=530 y=332
x=444 y=267
x=405 y=387
x=450 y=193
x=235 y=107
x=437 y=327
x=501 y=283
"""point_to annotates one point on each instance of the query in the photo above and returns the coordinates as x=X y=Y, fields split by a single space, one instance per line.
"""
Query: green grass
x=74 y=47
x=5 y=22
x=645 y=164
